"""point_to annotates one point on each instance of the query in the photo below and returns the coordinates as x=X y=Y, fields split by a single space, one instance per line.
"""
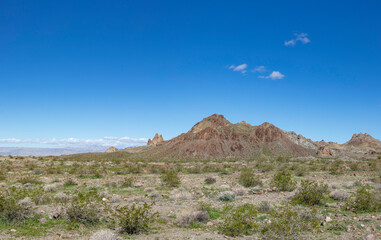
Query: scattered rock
x=328 y=219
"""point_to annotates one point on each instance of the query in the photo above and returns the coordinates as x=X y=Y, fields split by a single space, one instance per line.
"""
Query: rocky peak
x=157 y=140
x=213 y=121
x=112 y=149
x=363 y=140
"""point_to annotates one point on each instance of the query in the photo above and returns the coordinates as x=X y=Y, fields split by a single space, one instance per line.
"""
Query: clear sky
x=86 y=70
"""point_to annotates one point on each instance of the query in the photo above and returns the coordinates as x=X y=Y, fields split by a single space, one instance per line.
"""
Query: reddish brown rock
x=325 y=152
x=157 y=140
x=112 y=149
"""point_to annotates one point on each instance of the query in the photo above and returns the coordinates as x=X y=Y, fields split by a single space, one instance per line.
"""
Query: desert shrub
x=190 y=218
x=135 y=218
x=289 y=222
x=13 y=207
x=134 y=169
x=248 y=178
x=128 y=182
x=354 y=166
x=339 y=195
x=170 y=178
x=283 y=181
x=264 y=206
x=39 y=196
x=226 y=196
x=265 y=167
x=238 y=220
x=85 y=208
x=363 y=201
x=29 y=179
x=70 y=182
x=310 y=193
x=3 y=176
x=213 y=212
x=210 y=180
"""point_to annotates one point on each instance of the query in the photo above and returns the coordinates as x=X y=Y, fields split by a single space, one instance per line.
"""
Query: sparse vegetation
x=283 y=181
x=363 y=201
x=135 y=218
x=170 y=178
x=239 y=220
x=248 y=178
x=289 y=222
x=310 y=193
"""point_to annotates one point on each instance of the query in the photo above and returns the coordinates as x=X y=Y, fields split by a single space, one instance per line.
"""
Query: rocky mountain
x=112 y=149
x=157 y=140
x=216 y=137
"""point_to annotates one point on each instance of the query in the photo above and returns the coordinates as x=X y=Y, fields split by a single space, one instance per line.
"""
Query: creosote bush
x=210 y=180
x=85 y=208
x=12 y=206
x=239 y=220
x=135 y=218
x=363 y=201
x=248 y=178
x=289 y=222
x=170 y=178
x=310 y=193
x=283 y=181
x=128 y=182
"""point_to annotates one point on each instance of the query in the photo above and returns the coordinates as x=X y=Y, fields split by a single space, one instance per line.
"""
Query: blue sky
x=128 y=69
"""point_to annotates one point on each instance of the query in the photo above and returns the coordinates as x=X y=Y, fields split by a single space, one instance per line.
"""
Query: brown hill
x=364 y=141
x=216 y=137
x=112 y=149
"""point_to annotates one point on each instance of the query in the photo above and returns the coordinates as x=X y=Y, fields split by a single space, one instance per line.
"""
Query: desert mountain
x=112 y=149
x=216 y=137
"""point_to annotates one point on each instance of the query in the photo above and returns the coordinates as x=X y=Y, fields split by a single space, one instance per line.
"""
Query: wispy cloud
x=299 y=37
x=240 y=68
x=77 y=142
x=259 y=69
x=274 y=75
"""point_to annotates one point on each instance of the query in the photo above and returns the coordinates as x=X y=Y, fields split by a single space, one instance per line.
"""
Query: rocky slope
x=216 y=137
x=112 y=149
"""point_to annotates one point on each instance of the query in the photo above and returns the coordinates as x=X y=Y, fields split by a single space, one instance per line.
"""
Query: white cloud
x=240 y=68
x=299 y=37
x=259 y=69
x=77 y=142
x=274 y=75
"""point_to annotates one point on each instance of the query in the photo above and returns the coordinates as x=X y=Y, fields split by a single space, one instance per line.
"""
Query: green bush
x=227 y=196
x=135 y=219
x=238 y=220
x=85 y=208
x=283 y=181
x=310 y=193
x=210 y=180
x=289 y=222
x=12 y=206
x=128 y=182
x=363 y=201
x=170 y=178
x=248 y=178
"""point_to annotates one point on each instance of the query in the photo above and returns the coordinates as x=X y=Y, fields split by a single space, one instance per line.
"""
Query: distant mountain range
x=21 y=151
x=216 y=137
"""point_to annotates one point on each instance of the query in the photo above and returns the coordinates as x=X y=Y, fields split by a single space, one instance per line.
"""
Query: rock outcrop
x=112 y=149
x=325 y=152
x=157 y=140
